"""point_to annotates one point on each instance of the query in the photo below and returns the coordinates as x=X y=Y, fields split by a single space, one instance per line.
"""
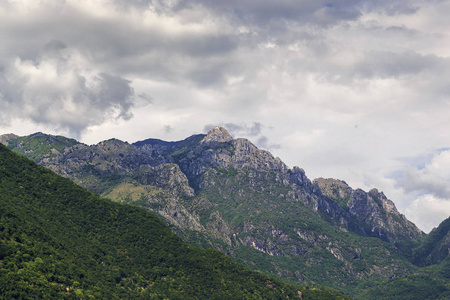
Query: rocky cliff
x=373 y=213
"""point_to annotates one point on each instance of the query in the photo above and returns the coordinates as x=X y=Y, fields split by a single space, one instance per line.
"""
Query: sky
x=356 y=90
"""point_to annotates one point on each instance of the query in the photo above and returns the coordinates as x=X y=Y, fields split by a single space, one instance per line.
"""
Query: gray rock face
x=111 y=157
x=335 y=189
x=217 y=135
x=219 y=150
x=375 y=214
x=166 y=176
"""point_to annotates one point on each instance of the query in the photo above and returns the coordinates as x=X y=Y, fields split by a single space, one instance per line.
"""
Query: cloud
x=427 y=189
x=168 y=128
x=254 y=132
x=264 y=143
x=139 y=38
x=428 y=211
x=244 y=129
x=274 y=14
x=433 y=179
x=391 y=65
x=59 y=89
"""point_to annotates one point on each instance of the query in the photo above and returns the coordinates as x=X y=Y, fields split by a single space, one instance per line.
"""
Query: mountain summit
x=217 y=134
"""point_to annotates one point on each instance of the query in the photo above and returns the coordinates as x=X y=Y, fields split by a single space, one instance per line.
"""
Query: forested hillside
x=59 y=241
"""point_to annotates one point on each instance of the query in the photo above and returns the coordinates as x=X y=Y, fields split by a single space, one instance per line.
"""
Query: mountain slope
x=436 y=246
x=38 y=146
x=226 y=193
x=58 y=240
x=432 y=282
x=373 y=213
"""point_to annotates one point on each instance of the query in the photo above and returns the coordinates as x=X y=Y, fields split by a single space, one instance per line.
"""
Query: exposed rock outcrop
x=374 y=213
x=217 y=135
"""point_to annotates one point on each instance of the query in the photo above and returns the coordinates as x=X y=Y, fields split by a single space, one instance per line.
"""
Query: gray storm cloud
x=59 y=90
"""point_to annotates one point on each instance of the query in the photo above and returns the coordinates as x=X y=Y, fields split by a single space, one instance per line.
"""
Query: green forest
x=60 y=241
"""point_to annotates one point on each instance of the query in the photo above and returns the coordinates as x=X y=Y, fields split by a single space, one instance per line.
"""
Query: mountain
x=7 y=137
x=217 y=191
x=37 y=146
x=373 y=213
x=59 y=241
x=431 y=282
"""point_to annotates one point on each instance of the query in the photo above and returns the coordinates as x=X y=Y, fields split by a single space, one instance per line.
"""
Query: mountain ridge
x=383 y=215
x=225 y=193
x=236 y=154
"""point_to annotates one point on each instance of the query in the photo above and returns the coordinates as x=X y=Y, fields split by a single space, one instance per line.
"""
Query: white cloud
x=432 y=179
x=428 y=211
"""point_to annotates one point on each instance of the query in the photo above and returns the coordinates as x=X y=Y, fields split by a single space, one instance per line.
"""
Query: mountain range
x=60 y=241
x=215 y=191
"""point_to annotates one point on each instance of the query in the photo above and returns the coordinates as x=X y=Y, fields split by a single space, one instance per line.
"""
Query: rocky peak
x=381 y=217
x=373 y=209
x=218 y=135
x=335 y=189
x=387 y=204
x=112 y=144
